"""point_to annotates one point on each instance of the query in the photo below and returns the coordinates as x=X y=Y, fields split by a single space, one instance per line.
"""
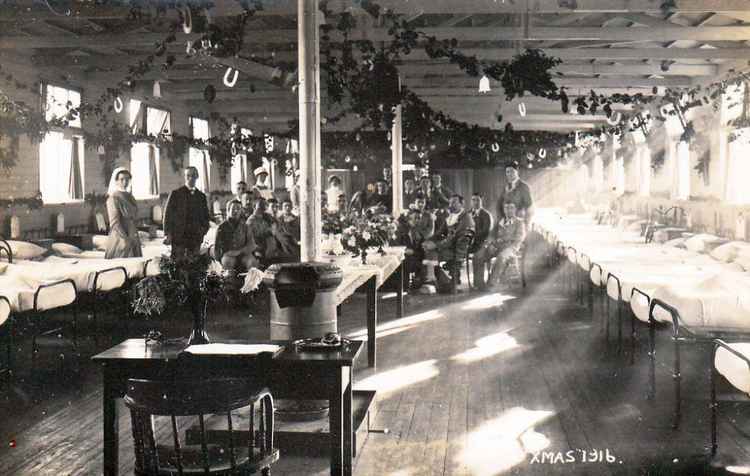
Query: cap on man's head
x=259 y=171
x=513 y=165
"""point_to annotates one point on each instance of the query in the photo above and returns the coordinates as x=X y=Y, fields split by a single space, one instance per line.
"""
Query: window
x=731 y=102
x=61 y=168
x=58 y=101
x=199 y=157
x=144 y=156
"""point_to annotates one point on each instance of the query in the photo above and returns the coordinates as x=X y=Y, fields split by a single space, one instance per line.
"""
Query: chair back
x=199 y=452
x=463 y=244
x=188 y=397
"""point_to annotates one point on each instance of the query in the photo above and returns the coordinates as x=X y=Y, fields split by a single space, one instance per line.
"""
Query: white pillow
x=65 y=249
x=698 y=243
x=100 y=242
x=744 y=261
x=675 y=242
x=143 y=235
x=724 y=253
x=26 y=250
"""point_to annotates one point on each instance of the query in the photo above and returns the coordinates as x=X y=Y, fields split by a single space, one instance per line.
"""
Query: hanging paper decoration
x=522 y=109
x=268 y=141
x=495 y=147
x=189 y=48
x=157 y=89
x=230 y=83
x=484 y=85
x=542 y=153
x=100 y=150
x=118 y=104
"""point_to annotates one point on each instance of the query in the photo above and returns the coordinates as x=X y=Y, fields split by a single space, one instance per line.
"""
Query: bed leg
x=619 y=327
x=606 y=321
x=633 y=335
x=651 y=358
x=677 y=377
x=713 y=405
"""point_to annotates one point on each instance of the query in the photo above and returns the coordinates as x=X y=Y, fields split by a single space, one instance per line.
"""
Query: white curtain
x=598 y=174
x=238 y=173
x=56 y=168
x=644 y=175
x=144 y=167
x=157 y=121
x=738 y=170
x=681 y=175
x=201 y=160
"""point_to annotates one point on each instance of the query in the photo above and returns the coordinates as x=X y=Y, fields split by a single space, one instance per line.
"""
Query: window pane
x=200 y=128
x=157 y=121
x=731 y=106
x=58 y=101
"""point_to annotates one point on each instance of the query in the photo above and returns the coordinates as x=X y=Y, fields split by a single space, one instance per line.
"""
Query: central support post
x=309 y=127
x=397 y=149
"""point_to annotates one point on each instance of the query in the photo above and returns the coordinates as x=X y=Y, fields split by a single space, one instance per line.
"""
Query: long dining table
x=369 y=278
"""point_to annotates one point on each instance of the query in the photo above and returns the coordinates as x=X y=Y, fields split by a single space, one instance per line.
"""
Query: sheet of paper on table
x=232 y=349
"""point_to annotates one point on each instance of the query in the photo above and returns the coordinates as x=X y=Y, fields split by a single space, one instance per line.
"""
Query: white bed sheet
x=82 y=272
x=721 y=301
x=20 y=293
x=734 y=369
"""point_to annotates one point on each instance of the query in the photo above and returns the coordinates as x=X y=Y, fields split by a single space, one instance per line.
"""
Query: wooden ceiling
x=610 y=46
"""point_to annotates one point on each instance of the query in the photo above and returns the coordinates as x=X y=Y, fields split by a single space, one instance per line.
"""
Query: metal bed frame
x=713 y=374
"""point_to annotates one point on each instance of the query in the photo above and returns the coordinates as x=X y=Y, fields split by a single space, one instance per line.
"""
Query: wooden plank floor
x=476 y=384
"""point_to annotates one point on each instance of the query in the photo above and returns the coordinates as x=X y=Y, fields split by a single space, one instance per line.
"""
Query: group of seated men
x=439 y=229
x=257 y=233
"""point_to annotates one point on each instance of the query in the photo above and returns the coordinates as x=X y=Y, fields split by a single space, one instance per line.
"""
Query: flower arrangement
x=177 y=281
x=368 y=232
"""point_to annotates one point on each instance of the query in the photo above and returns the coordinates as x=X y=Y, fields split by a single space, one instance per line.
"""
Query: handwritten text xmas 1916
x=574 y=456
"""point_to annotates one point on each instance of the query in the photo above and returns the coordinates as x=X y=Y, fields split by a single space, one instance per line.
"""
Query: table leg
x=335 y=420
x=372 y=320
x=400 y=291
x=111 y=431
x=348 y=429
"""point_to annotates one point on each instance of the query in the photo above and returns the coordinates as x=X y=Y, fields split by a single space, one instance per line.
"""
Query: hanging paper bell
x=100 y=150
x=157 y=89
x=484 y=84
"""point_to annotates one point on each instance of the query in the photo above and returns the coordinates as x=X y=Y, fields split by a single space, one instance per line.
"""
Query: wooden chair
x=238 y=453
x=460 y=255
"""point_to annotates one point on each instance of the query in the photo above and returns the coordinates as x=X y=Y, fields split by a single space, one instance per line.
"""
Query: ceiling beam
x=463 y=81
x=662 y=34
x=444 y=68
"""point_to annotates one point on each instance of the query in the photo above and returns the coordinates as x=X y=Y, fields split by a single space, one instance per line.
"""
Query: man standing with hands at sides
x=516 y=191
x=186 y=217
x=482 y=222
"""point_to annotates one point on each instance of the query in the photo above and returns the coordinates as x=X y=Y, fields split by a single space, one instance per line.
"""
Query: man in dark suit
x=482 y=222
x=186 y=217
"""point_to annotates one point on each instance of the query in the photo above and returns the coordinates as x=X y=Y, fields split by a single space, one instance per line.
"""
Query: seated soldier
x=380 y=200
x=450 y=244
x=504 y=243
x=288 y=232
x=418 y=228
x=482 y=221
x=234 y=245
x=272 y=244
x=248 y=205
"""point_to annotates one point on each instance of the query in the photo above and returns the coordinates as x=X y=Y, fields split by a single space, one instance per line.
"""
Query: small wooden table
x=290 y=375
x=368 y=279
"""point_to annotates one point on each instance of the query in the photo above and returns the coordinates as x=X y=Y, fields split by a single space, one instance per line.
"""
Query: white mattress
x=83 y=273
x=20 y=293
x=722 y=301
x=4 y=311
x=734 y=369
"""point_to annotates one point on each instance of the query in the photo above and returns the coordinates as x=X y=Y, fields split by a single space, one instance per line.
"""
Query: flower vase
x=198 y=307
x=363 y=255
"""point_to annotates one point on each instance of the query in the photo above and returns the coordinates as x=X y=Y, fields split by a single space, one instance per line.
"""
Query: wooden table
x=368 y=279
x=290 y=375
